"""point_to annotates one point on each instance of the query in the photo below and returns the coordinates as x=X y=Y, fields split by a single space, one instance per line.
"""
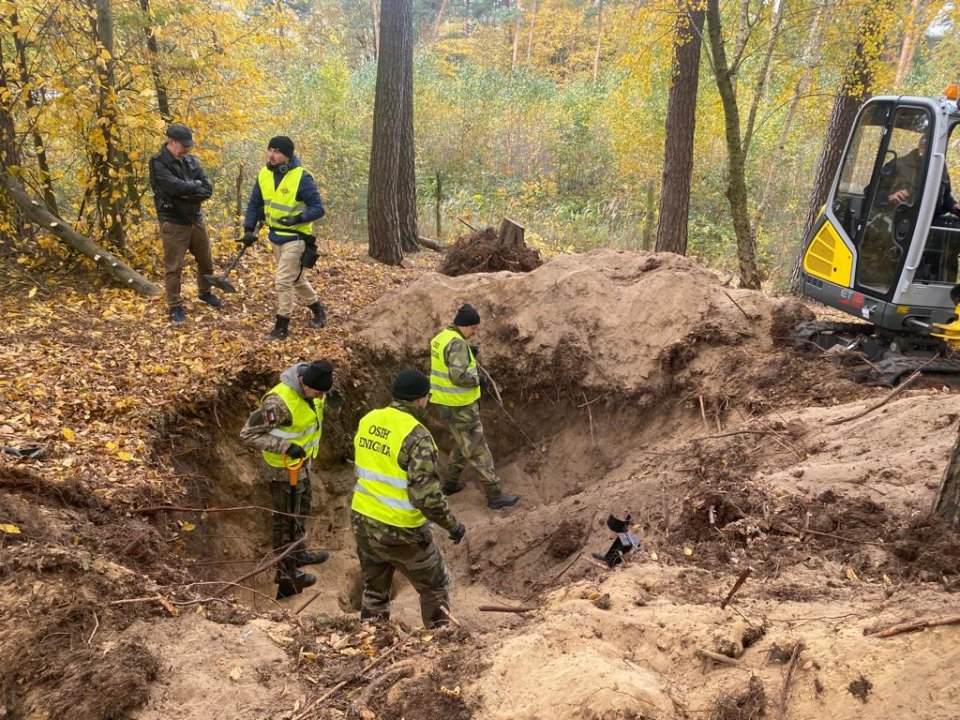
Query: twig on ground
x=504 y=608
x=593 y=440
x=269 y=563
x=390 y=675
x=730 y=297
x=887 y=398
x=785 y=690
x=450 y=616
x=742 y=578
x=96 y=626
x=912 y=626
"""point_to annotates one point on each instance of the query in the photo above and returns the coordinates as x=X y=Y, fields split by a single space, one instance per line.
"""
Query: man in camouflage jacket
x=397 y=493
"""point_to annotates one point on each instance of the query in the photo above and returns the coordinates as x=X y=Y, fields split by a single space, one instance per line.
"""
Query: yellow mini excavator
x=885 y=247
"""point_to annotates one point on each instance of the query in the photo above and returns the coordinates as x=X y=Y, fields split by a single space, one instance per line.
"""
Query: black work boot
x=281 y=329
x=452 y=487
x=374 y=616
x=502 y=501
x=291 y=583
x=316 y=557
x=319 y=318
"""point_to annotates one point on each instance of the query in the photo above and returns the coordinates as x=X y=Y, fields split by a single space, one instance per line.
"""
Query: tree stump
x=511 y=235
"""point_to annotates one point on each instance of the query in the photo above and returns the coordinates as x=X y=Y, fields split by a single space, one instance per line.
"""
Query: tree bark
x=14 y=227
x=736 y=161
x=391 y=193
x=946 y=503
x=913 y=25
x=855 y=89
x=375 y=11
x=764 y=77
x=511 y=234
x=153 y=58
x=39 y=148
x=681 y=125
x=108 y=263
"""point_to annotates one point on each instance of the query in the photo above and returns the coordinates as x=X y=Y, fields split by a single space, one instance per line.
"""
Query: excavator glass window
x=894 y=196
x=938 y=264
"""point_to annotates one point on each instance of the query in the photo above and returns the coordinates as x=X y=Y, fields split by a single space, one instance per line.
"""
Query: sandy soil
x=631 y=383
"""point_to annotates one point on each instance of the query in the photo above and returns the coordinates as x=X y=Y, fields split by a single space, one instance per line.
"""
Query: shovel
x=221 y=282
x=290 y=582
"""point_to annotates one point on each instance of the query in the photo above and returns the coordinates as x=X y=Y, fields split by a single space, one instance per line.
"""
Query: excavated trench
x=556 y=453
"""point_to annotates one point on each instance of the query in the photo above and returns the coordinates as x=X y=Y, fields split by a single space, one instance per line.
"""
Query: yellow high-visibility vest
x=381 y=489
x=281 y=201
x=442 y=389
x=304 y=430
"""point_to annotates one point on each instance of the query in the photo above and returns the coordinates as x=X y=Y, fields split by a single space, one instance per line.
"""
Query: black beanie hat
x=411 y=384
x=318 y=375
x=283 y=144
x=467 y=315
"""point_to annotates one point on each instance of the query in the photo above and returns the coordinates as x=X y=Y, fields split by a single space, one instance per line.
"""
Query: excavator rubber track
x=875 y=369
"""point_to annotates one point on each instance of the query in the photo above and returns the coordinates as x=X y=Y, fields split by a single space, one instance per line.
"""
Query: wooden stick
x=730 y=297
x=717 y=657
x=889 y=396
x=450 y=616
x=785 y=690
x=504 y=608
x=392 y=674
x=744 y=574
x=468 y=225
x=268 y=564
x=912 y=626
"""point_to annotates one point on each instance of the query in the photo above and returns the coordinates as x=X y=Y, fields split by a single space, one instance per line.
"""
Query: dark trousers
x=287 y=529
x=177 y=241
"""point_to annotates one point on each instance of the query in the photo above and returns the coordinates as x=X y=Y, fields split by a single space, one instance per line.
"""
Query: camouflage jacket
x=457 y=356
x=272 y=413
x=418 y=457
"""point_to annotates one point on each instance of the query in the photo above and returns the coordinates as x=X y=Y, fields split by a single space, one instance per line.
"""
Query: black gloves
x=288 y=220
x=475 y=349
x=457 y=533
x=296 y=452
x=333 y=399
x=249 y=238
x=482 y=378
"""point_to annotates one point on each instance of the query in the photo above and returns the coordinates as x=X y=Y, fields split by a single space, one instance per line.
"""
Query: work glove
x=288 y=220
x=249 y=238
x=295 y=452
x=333 y=399
x=457 y=533
x=475 y=349
x=483 y=380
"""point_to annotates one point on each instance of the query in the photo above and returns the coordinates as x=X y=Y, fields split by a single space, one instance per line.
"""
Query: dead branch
x=730 y=298
x=504 y=608
x=267 y=564
x=430 y=244
x=37 y=213
x=785 y=690
x=177 y=508
x=889 y=396
x=468 y=225
x=390 y=675
x=718 y=658
x=744 y=574
x=912 y=626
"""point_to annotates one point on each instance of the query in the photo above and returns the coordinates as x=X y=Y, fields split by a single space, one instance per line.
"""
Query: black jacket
x=179 y=186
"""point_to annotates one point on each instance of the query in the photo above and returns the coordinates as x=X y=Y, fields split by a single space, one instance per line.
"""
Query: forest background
x=551 y=112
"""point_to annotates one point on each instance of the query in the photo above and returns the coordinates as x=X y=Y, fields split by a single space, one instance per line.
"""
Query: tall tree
x=855 y=89
x=153 y=58
x=724 y=72
x=391 y=191
x=680 y=127
x=946 y=504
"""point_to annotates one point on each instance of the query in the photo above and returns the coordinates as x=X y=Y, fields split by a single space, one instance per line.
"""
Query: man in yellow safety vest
x=286 y=198
x=396 y=494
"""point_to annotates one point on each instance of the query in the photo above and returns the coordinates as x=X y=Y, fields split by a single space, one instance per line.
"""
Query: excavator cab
x=886 y=246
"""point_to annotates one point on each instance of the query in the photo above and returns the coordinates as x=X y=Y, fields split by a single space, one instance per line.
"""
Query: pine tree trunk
x=390 y=217
x=681 y=124
x=153 y=58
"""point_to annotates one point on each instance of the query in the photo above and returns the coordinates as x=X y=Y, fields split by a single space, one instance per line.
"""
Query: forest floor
x=631 y=382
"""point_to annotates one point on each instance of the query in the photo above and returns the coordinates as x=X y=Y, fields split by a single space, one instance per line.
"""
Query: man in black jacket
x=179 y=186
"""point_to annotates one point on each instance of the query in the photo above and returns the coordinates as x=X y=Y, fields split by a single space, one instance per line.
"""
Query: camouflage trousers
x=469 y=446
x=381 y=553
x=288 y=529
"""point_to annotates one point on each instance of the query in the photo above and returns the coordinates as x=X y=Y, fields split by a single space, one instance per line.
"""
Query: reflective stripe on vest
x=442 y=389
x=381 y=489
x=304 y=430
x=281 y=201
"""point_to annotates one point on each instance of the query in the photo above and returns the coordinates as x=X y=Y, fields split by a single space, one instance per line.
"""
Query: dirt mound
x=485 y=252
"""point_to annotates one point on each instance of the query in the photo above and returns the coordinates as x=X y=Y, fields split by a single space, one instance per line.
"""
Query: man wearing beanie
x=456 y=388
x=397 y=493
x=286 y=198
x=287 y=428
x=179 y=187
